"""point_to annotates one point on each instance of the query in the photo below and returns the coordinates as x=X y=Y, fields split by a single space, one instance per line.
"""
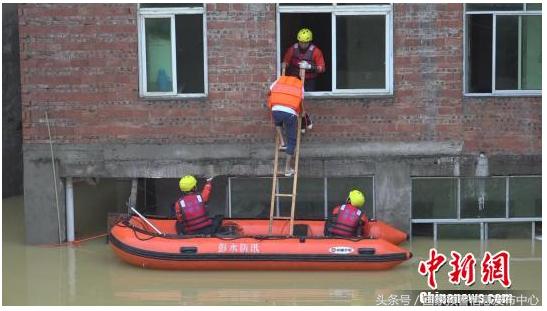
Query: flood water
x=90 y=274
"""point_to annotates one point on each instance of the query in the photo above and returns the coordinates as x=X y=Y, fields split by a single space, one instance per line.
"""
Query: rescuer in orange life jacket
x=285 y=101
x=348 y=220
x=190 y=210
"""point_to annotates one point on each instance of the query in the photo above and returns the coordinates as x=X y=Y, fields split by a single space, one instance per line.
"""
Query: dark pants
x=289 y=121
x=310 y=85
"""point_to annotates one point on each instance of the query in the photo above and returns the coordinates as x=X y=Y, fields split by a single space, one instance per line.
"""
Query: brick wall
x=80 y=63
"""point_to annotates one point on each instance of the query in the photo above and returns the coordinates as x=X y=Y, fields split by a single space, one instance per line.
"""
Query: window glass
x=434 y=198
x=494 y=7
x=533 y=6
x=251 y=197
x=170 y=5
x=531 y=52
x=158 y=55
x=507 y=52
x=525 y=197
x=310 y=198
x=189 y=32
x=483 y=197
x=339 y=188
x=479 y=53
x=518 y=48
x=425 y=230
x=360 y=52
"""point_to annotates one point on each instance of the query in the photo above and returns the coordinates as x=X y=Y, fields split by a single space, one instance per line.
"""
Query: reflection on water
x=90 y=274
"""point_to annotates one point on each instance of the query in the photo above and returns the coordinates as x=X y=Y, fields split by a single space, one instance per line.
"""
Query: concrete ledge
x=317 y=160
x=201 y=152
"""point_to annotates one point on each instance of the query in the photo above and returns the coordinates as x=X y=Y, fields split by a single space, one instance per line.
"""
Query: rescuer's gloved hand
x=304 y=65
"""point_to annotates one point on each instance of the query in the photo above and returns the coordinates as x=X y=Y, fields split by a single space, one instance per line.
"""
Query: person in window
x=304 y=54
x=347 y=219
x=190 y=210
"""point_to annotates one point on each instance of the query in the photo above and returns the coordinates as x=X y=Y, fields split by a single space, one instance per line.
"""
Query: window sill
x=330 y=95
x=508 y=94
x=173 y=97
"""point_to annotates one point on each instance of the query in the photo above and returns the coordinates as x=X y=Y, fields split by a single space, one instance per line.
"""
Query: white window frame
x=169 y=12
x=335 y=10
x=494 y=92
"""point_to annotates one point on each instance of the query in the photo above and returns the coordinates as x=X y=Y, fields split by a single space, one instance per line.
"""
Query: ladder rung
x=283 y=195
x=282 y=217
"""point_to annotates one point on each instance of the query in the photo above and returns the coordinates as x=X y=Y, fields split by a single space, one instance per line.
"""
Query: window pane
x=158 y=55
x=531 y=52
x=305 y=4
x=480 y=53
x=434 y=198
x=170 y=5
x=360 y=52
x=422 y=230
x=509 y=230
x=494 y=7
x=310 y=198
x=463 y=231
x=525 y=197
x=533 y=6
x=482 y=197
x=507 y=58
x=339 y=188
x=189 y=32
x=251 y=197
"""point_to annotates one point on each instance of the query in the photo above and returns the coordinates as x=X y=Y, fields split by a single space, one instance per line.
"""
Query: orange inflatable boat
x=244 y=244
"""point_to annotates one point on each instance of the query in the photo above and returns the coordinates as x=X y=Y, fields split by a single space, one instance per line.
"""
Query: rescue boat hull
x=137 y=245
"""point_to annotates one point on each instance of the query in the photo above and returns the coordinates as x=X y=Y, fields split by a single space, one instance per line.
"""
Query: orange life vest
x=286 y=91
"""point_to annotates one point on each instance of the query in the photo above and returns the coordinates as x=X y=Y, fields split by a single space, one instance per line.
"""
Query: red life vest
x=346 y=221
x=190 y=211
x=297 y=57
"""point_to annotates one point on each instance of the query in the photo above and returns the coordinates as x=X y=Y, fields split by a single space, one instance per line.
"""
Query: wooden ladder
x=275 y=180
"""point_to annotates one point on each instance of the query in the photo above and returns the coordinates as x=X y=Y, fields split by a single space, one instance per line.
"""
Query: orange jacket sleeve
x=206 y=192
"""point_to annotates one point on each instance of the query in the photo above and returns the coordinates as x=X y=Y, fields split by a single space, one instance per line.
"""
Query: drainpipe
x=481 y=172
x=133 y=195
x=69 y=210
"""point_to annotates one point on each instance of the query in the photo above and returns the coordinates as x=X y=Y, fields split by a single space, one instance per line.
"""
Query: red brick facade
x=80 y=64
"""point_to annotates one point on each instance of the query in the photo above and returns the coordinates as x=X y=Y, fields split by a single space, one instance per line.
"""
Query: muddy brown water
x=90 y=274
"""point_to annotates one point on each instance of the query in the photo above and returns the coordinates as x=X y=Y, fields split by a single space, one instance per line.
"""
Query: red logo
x=431 y=266
x=496 y=268
x=493 y=268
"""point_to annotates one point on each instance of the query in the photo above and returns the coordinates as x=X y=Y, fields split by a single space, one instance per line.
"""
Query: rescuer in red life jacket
x=190 y=210
x=304 y=54
x=348 y=220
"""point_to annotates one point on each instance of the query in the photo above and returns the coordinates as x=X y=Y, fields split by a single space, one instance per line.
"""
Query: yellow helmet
x=304 y=35
x=356 y=198
x=187 y=183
